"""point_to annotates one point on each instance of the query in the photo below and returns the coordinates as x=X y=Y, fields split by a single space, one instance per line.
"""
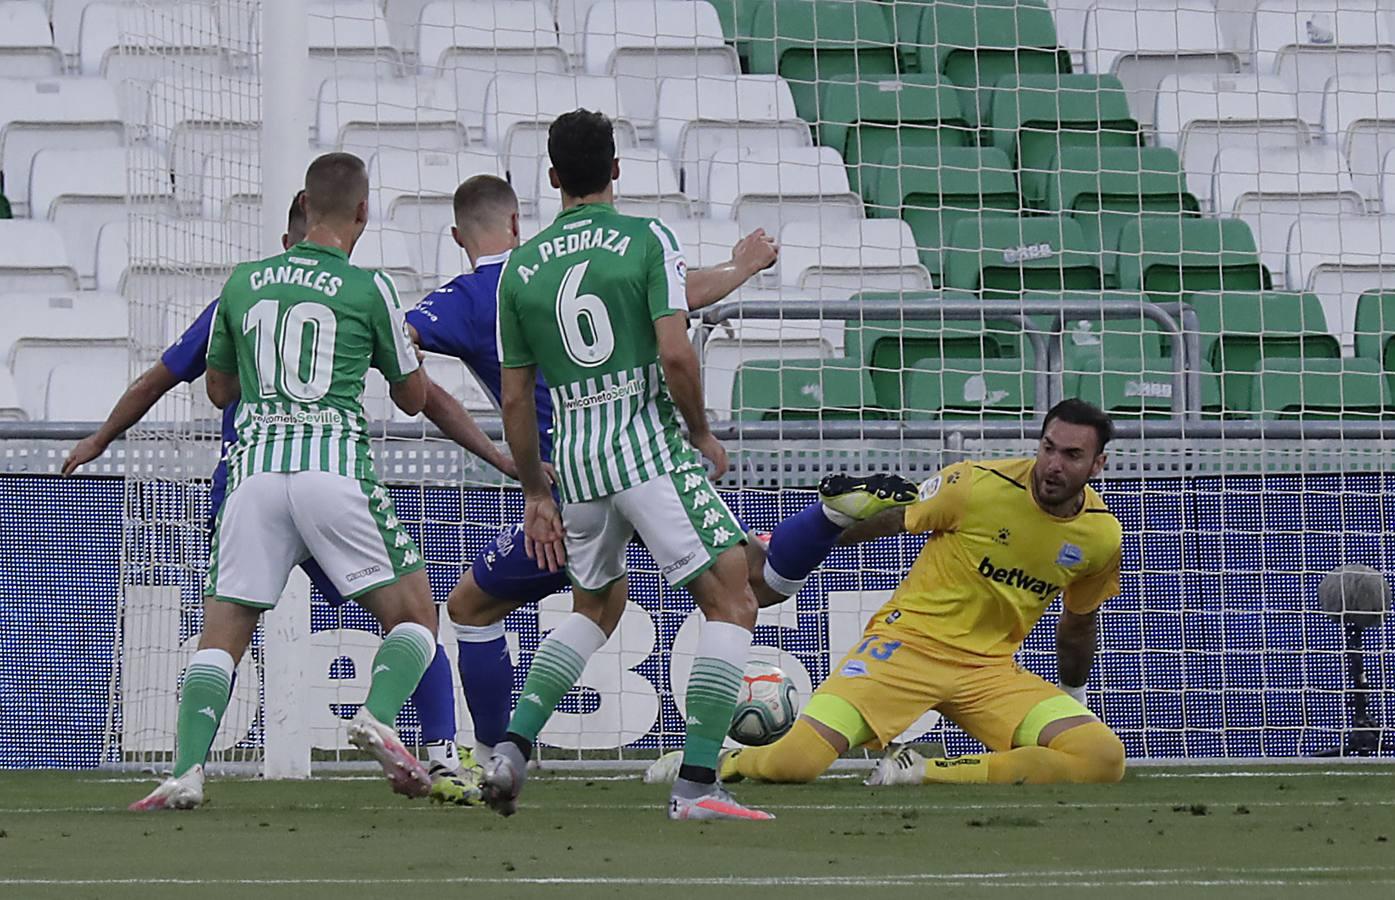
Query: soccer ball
x=766 y=707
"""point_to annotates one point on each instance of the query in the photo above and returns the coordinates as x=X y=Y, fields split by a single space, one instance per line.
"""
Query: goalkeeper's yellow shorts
x=891 y=679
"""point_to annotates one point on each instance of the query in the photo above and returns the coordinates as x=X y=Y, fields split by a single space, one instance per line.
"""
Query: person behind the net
x=1006 y=537
x=292 y=338
x=460 y=320
x=184 y=361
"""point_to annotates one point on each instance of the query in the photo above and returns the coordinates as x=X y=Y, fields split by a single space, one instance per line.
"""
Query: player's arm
x=754 y=253
x=394 y=353
x=1077 y=632
x=132 y=406
x=457 y=424
x=221 y=377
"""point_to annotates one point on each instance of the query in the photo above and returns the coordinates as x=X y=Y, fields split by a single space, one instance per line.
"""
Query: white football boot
x=900 y=765
x=713 y=806
x=404 y=771
x=184 y=792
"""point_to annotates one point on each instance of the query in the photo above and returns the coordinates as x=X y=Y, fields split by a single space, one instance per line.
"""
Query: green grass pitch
x=1324 y=832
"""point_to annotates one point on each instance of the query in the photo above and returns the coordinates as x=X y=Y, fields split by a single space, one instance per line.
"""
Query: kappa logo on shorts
x=363 y=573
x=1070 y=555
x=674 y=567
x=853 y=668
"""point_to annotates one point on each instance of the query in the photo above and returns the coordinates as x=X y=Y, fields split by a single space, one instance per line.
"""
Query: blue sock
x=486 y=675
x=434 y=699
x=797 y=547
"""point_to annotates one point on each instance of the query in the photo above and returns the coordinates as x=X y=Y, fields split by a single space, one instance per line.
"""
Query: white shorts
x=273 y=521
x=680 y=516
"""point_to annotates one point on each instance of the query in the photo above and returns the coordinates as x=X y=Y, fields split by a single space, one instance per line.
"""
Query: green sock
x=397 y=668
x=204 y=699
x=556 y=667
x=713 y=687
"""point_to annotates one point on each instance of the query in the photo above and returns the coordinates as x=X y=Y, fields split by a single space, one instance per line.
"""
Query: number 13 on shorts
x=877 y=648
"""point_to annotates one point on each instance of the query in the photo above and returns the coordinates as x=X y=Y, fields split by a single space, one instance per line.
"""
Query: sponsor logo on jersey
x=1070 y=555
x=1017 y=578
x=853 y=668
x=363 y=573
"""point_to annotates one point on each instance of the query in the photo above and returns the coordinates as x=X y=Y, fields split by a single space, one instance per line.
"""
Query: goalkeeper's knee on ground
x=800 y=756
x=1097 y=754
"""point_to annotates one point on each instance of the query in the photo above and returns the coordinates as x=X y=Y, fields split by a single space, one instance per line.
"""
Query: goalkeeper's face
x=1067 y=458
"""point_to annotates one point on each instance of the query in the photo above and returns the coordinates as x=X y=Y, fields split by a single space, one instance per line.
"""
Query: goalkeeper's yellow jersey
x=995 y=559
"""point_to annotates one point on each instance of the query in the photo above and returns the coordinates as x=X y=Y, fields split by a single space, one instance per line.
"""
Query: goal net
x=1182 y=214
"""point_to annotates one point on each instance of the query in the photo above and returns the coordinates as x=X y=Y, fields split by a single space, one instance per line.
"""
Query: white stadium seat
x=1070 y=27
x=11 y=409
x=477 y=39
x=1144 y=41
x=86 y=391
x=732 y=343
x=413 y=192
x=699 y=116
x=76 y=113
x=1358 y=117
x=34 y=258
x=80 y=191
x=763 y=187
x=641 y=41
x=43 y=331
x=1339 y=260
x=349 y=38
x=1198 y=115
x=26 y=44
x=191 y=119
x=1307 y=42
x=872 y=255
x=176 y=263
x=1271 y=189
x=647 y=187
x=362 y=115
x=705 y=242
x=1387 y=183
x=571 y=25
x=385 y=247
x=453 y=375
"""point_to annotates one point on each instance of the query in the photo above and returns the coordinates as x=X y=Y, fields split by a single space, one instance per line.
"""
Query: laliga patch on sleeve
x=929 y=488
x=680 y=268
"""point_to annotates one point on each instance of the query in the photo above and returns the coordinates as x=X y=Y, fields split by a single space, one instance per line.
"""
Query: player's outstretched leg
x=1085 y=754
x=801 y=543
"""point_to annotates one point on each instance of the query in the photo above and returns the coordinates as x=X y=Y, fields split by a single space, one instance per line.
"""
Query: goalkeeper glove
x=1076 y=692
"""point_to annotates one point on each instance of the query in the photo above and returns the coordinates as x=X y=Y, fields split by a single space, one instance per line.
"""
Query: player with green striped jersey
x=292 y=338
x=597 y=302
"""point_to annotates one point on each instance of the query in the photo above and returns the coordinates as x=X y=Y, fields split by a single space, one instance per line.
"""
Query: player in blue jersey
x=184 y=362
x=459 y=320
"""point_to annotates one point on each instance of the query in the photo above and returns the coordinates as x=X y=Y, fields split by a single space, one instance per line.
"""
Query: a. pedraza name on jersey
x=577 y=241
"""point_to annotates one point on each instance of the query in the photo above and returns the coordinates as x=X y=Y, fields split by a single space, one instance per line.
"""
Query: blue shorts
x=504 y=571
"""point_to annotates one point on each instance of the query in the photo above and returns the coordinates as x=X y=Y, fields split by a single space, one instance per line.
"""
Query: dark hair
x=295 y=219
x=335 y=184
x=581 y=145
x=1079 y=412
x=481 y=199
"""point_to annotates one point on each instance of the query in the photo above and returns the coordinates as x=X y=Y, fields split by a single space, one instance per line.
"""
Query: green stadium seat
x=736 y=17
x=1375 y=330
x=803 y=389
x=1002 y=257
x=1244 y=331
x=1319 y=389
x=1036 y=118
x=811 y=42
x=1136 y=388
x=1167 y=257
x=976 y=44
x=969 y=389
x=933 y=189
x=1105 y=188
x=868 y=121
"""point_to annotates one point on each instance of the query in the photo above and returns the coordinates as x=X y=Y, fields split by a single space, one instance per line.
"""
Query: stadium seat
x=1035 y=117
x=1375 y=330
x=349 y=39
x=790 y=390
x=1243 y=331
x=1135 y=388
x=175 y=263
x=189 y=120
x=975 y=45
x=86 y=391
x=80 y=191
x=45 y=330
x=764 y=187
x=232 y=185
x=388 y=247
x=1167 y=257
x=1069 y=16
x=1106 y=188
x=1339 y=261
x=75 y=113
x=733 y=343
x=1358 y=117
x=1143 y=41
x=471 y=41
x=1002 y=257
x=641 y=41
x=875 y=254
x=699 y=116
x=1312 y=389
x=1198 y=115
x=453 y=375
x=810 y=42
x=933 y=189
x=65 y=16
x=571 y=25
x=705 y=242
x=969 y=389
x=1269 y=190
x=1308 y=42
x=450 y=259
x=363 y=116
x=176 y=41
x=1387 y=182
x=648 y=186
x=34 y=258
x=26 y=48
x=11 y=409
x=412 y=194
x=864 y=120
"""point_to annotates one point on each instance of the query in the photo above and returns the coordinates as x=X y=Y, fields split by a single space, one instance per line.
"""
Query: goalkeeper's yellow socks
x=1085 y=754
x=398 y=665
x=204 y=699
x=556 y=667
x=800 y=756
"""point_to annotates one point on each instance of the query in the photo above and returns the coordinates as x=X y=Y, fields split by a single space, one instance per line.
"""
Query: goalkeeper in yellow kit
x=1006 y=537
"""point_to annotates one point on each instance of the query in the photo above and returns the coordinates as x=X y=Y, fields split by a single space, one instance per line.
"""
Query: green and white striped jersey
x=300 y=330
x=579 y=301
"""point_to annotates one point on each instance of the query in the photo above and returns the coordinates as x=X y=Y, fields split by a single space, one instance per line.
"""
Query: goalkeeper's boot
x=664 y=770
x=856 y=497
x=184 y=792
x=714 y=805
x=404 y=772
x=503 y=778
x=900 y=765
